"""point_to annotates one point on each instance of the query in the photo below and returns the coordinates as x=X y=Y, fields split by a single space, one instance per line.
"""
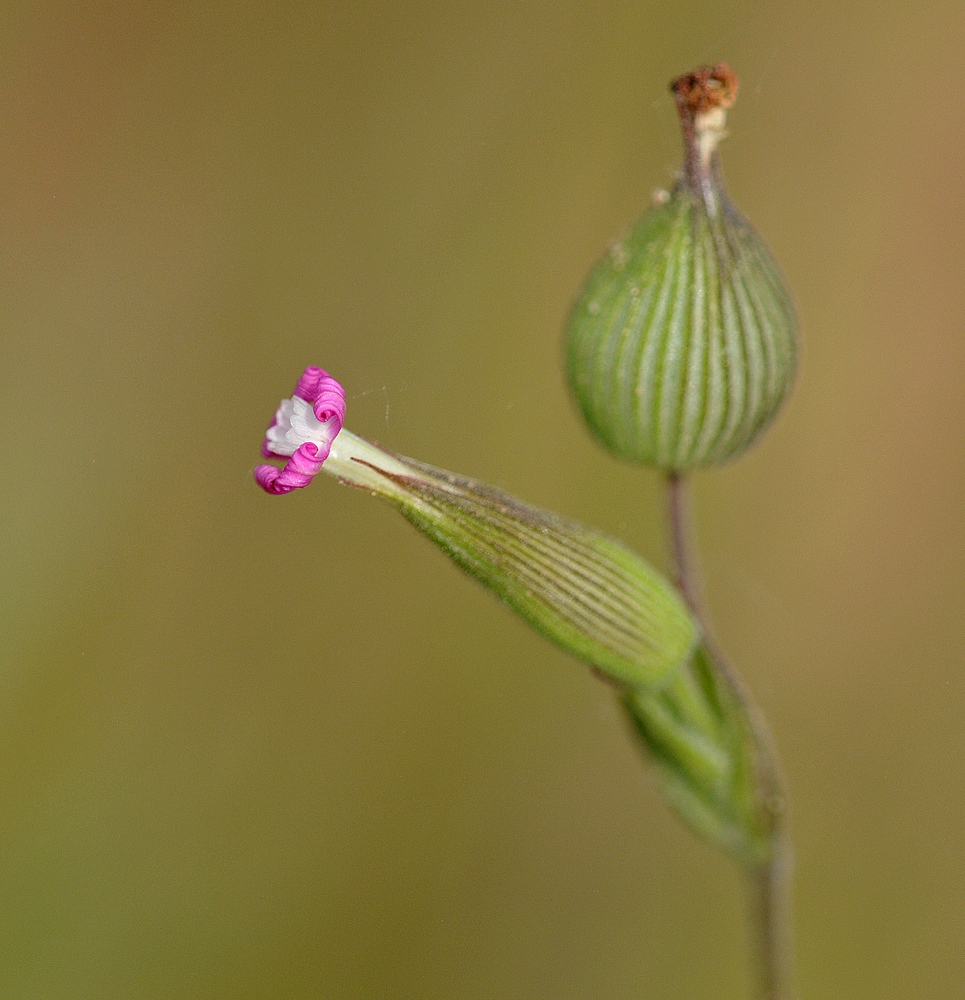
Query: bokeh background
x=262 y=747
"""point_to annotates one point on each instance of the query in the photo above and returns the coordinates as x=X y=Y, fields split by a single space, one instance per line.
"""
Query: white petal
x=296 y=424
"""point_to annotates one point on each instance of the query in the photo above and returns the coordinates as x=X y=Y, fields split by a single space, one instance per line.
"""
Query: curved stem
x=770 y=879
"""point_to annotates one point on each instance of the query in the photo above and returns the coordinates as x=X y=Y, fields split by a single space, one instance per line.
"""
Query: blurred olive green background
x=266 y=747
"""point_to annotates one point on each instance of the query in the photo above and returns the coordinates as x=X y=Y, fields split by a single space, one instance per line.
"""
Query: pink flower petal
x=327 y=398
x=307 y=385
x=299 y=471
x=329 y=401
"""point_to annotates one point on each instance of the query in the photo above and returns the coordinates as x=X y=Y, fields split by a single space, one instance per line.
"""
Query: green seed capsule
x=682 y=345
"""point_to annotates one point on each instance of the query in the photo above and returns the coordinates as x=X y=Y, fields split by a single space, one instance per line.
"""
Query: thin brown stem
x=770 y=879
x=771 y=923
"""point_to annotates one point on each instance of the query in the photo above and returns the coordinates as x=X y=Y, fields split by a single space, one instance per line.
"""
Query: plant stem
x=771 y=924
x=770 y=879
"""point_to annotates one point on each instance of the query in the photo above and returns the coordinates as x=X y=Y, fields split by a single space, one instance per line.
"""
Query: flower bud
x=682 y=345
x=701 y=740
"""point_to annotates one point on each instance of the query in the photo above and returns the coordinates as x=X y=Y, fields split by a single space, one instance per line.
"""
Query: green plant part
x=583 y=590
x=703 y=746
x=682 y=345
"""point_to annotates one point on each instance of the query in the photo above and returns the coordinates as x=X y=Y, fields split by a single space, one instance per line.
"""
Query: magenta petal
x=325 y=394
x=329 y=402
x=307 y=386
x=299 y=471
x=265 y=476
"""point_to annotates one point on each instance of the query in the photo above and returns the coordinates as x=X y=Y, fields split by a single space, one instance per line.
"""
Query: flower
x=581 y=589
x=307 y=430
x=302 y=431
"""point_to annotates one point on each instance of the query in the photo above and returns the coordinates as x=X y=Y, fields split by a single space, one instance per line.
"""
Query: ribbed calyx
x=581 y=589
x=682 y=345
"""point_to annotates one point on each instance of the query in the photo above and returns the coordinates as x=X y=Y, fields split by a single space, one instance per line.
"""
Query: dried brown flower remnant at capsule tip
x=703 y=97
x=706 y=87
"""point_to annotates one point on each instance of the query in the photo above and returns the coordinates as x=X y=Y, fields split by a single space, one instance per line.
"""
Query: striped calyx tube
x=682 y=345
x=584 y=591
